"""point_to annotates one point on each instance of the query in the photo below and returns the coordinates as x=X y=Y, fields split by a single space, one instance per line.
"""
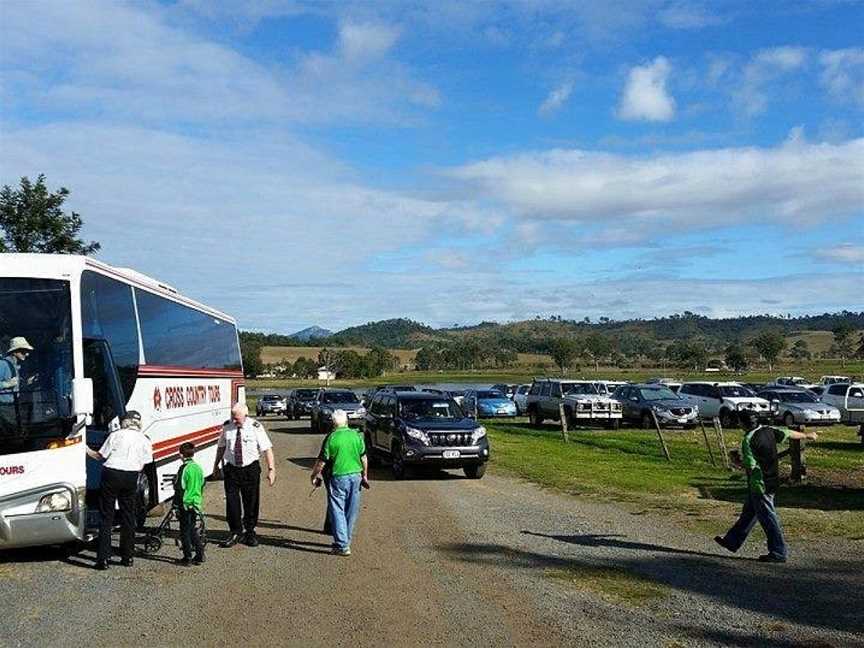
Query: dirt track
x=438 y=560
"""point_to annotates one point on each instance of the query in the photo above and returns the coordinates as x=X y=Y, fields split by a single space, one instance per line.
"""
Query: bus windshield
x=36 y=363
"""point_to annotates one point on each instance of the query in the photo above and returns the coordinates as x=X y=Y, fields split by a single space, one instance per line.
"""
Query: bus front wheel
x=145 y=497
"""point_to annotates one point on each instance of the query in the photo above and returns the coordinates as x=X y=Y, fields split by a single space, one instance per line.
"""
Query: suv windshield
x=35 y=384
x=661 y=393
x=427 y=408
x=271 y=397
x=339 y=397
x=578 y=388
x=735 y=391
x=306 y=394
x=490 y=395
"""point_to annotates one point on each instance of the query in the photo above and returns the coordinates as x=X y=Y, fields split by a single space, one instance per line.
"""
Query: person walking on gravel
x=345 y=452
x=759 y=459
x=241 y=445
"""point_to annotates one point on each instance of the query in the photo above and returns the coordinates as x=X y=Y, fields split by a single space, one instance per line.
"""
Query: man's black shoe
x=184 y=561
x=127 y=562
x=251 y=540
x=720 y=540
x=231 y=541
x=197 y=560
x=771 y=558
x=102 y=565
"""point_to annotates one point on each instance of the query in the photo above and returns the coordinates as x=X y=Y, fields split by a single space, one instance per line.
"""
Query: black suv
x=417 y=428
x=300 y=402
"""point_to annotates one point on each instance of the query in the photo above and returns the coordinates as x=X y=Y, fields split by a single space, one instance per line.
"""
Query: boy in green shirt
x=189 y=502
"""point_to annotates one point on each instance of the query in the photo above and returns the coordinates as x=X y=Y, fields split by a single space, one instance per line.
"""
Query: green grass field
x=812 y=370
x=628 y=466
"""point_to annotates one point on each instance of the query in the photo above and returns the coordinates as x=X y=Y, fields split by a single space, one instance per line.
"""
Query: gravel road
x=439 y=560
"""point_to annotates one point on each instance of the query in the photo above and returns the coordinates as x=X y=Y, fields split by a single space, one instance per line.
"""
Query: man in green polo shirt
x=759 y=458
x=345 y=454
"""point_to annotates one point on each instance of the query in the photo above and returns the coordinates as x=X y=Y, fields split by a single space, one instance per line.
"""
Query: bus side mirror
x=82 y=397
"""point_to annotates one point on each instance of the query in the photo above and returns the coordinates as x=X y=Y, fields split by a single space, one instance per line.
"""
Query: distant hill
x=392 y=334
x=311 y=333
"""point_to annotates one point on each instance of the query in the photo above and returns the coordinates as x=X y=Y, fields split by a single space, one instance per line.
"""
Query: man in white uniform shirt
x=125 y=452
x=241 y=445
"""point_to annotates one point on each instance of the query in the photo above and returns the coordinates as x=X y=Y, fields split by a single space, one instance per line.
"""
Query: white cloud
x=158 y=72
x=557 y=98
x=645 y=96
x=845 y=254
x=767 y=68
x=682 y=15
x=843 y=73
x=796 y=182
x=365 y=41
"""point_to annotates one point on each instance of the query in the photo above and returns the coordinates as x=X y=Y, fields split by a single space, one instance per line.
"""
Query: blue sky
x=298 y=163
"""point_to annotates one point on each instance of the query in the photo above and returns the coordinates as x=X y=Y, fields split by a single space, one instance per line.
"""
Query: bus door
x=108 y=403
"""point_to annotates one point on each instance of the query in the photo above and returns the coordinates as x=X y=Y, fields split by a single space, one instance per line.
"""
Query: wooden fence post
x=707 y=443
x=660 y=434
x=563 y=415
x=719 y=430
x=799 y=464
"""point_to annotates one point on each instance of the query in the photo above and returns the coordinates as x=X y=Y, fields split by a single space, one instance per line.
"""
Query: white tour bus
x=105 y=340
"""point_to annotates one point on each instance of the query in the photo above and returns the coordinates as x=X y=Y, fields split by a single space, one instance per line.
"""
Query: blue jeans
x=758 y=506
x=344 y=500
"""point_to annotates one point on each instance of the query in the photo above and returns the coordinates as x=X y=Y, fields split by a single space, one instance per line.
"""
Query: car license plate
x=502 y=411
x=684 y=420
x=451 y=454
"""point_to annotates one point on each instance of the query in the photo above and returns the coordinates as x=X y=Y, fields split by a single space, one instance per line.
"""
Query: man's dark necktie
x=238 y=448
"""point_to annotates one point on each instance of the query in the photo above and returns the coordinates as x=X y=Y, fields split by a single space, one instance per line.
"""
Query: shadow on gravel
x=420 y=473
x=818 y=597
x=612 y=541
x=263 y=524
x=217 y=537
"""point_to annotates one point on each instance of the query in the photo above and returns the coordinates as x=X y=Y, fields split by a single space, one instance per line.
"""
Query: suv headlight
x=360 y=411
x=54 y=502
x=419 y=435
x=326 y=410
x=477 y=434
x=660 y=408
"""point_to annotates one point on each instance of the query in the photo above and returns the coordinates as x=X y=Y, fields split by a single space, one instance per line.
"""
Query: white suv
x=724 y=400
x=849 y=399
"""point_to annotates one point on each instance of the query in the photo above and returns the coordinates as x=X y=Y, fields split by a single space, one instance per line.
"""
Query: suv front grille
x=450 y=439
x=680 y=411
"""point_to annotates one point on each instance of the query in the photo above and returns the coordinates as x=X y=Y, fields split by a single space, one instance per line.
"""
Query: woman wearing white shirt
x=125 y=453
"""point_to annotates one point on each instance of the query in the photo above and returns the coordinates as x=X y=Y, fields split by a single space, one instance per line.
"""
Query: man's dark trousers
x=118 y=486
x=243 y=484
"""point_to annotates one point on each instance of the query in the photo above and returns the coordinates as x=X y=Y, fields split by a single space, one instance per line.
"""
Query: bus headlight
x=54 y=502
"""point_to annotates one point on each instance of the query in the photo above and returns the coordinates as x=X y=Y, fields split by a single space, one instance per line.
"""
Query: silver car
x=799 y=407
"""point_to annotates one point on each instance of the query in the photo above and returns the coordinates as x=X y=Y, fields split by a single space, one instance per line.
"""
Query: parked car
x=608 y=387
x=328 y=401
x=849 y=399
x=488 y=403
x=416 y=428
x=831 y=380
x=639 y=401
x=507 y=390
x=724 y=400
x=583 y=404
x=818 y=391
x=446 y=393
x=671 y=383
x=520 y=399
x=799 y=406
x=300 y=402
x=755 y=388
x=794 y=381
x=270 y=404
